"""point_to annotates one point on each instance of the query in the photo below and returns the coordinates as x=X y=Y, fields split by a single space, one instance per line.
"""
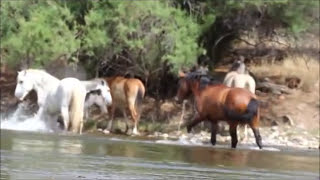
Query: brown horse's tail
x=251 y=111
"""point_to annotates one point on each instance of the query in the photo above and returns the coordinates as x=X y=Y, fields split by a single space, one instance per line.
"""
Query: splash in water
x=21 y=120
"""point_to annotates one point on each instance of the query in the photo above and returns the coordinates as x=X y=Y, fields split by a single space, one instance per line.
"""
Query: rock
x=282 y=97
x=288 y=119
x=165 y=135
x=293 y=82
x=274 y=128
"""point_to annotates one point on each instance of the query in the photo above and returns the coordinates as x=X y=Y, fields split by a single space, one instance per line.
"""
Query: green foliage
x=297 y=15
x=150 y=32
x=41 y=37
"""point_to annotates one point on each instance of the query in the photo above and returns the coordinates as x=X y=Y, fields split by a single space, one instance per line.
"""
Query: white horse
x=239 y=77
x=101 y=86
x=98 y=92
x=56 y=97
x=96 y=97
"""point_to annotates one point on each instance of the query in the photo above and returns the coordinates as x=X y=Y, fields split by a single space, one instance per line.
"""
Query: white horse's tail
x=76 y=110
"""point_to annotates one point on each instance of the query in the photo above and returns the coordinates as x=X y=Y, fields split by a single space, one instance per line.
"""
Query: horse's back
x=124 y=85
x=234 y=79
x=134 y=85
x=245 y=81
x=68 y=86
x=239 y=96
x=71 y=82
x=211 y=99
x=214 y=98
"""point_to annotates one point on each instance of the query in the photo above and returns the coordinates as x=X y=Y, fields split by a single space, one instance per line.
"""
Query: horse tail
x=140 y=95
x=76 y=110
x=251 y=111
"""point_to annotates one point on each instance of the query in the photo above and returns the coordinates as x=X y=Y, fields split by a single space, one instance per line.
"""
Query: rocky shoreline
x=274 y=136
x=284 y=136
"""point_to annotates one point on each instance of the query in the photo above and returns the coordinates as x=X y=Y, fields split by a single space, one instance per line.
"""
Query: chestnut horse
x=215 y=102
x=126 y=93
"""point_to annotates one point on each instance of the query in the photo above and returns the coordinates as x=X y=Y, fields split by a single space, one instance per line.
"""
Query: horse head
x=24 y=85
x=105 y=91
x=239 y=66
x=187 y=82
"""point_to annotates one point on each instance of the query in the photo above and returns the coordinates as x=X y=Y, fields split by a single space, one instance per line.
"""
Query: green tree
x=37 y=35
x=150 y=33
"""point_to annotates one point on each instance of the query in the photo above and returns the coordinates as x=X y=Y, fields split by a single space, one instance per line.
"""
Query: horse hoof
x=188 y=129
x=213 y=143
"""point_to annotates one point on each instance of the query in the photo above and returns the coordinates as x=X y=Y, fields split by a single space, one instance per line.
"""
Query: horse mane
x=204 y=79
x=43 y=73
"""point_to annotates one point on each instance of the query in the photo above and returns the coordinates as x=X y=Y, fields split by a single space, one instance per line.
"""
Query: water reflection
x=68 y=156
x=32 y=145
x=70 y=146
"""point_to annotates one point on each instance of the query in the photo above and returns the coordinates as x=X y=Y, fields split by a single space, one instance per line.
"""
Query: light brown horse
x=127 y=93
x=215 y=102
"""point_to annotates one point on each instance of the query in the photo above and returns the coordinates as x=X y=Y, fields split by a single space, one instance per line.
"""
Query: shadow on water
x=43 y=155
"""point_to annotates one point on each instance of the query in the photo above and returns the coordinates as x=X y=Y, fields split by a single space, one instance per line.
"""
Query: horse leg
x=214 y=128
x=113 y=108
x=134 y=116
x=80 y=127
x=257 y=136
x=254 y=124
x=196 y=121
x=233 y=134
x=126 y=120
x=86 y=113
x=65 y=116
x=104 y=109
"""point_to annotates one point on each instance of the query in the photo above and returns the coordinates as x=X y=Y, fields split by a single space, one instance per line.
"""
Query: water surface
x=38 y=155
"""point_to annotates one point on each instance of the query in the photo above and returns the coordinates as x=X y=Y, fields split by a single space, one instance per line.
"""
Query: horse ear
x=181 y=74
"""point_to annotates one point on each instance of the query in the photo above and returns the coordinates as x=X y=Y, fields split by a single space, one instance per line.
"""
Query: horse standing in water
x=239 y=77
x=55 y=97
x=127 y=93
x=215 y=102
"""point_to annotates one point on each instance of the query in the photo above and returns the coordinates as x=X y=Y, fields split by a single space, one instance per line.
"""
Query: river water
x=39 y=154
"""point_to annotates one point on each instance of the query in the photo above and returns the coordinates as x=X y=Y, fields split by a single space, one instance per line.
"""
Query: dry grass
x=303 y=67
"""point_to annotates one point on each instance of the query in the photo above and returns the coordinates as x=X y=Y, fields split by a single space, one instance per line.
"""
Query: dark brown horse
x=127 y=93
x=215 y=102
